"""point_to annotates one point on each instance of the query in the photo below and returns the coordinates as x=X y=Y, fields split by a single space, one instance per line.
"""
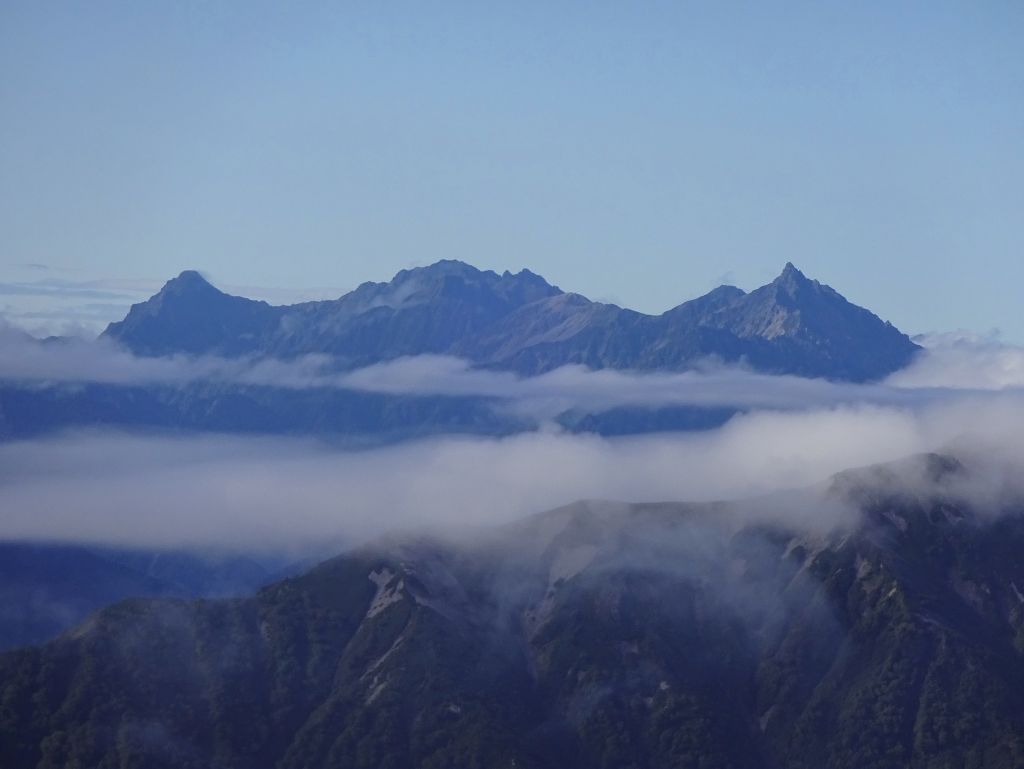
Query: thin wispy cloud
x=48 y=300
x=35 y=266
x=943 y=372
x=63 y=289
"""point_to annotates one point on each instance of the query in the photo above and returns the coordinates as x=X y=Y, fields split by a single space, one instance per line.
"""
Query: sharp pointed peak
x=792 y=271
x=188 y=280
x=190 y=276
x=792 y=280
x=187 y=285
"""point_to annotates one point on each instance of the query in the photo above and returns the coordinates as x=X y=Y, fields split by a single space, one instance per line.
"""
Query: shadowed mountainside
x=46 y=588
x=597 y=635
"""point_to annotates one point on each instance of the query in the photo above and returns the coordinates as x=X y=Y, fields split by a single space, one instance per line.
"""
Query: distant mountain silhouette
x=520 y=322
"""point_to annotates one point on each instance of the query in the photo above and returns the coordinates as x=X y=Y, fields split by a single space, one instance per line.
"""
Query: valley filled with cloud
x=296 y=493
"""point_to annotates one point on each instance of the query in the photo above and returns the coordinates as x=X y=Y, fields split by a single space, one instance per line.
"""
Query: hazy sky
x=637 y=152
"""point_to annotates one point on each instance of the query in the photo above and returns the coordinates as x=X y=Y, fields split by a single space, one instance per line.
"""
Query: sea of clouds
x=963 y=394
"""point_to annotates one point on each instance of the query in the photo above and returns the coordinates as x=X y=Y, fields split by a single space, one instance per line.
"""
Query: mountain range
x=510 y=322
x=596 y=635
x=874 y=622
x=521 y=323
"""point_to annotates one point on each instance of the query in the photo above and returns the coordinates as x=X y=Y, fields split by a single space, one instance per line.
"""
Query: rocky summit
x=793 y=325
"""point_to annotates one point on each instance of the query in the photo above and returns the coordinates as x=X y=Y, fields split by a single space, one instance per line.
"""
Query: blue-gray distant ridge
x=520 y=322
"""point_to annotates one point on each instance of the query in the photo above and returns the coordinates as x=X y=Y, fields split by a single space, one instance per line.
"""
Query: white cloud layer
x=300 y=495
x=949 y=369
x=277 y=493
x=964 y=361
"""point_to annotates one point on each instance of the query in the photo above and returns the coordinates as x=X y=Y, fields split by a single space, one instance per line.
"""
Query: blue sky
x=636 y=152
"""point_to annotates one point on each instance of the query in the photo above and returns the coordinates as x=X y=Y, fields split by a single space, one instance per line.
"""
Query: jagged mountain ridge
x=599 y=634
x=520 y=322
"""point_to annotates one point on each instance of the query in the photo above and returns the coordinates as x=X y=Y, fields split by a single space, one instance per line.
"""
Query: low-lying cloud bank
x=950 y=367
x=24 y=359
x=964 y=360
x=965 y=394
x=298 y=495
